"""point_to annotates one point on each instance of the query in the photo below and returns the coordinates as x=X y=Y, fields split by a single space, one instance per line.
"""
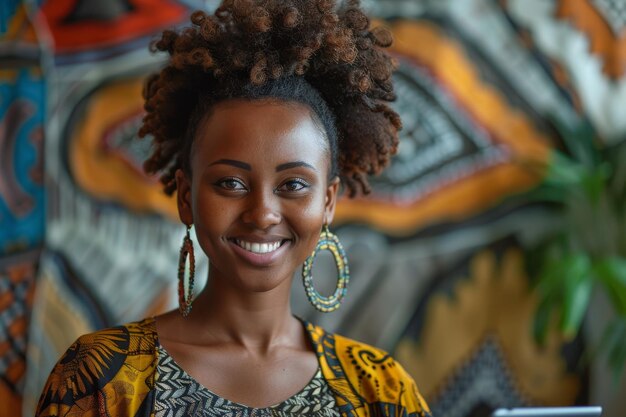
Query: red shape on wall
x=81 y=25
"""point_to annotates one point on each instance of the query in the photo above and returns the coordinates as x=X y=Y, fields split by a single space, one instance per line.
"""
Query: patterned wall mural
x=22 y=193
x=437 y=252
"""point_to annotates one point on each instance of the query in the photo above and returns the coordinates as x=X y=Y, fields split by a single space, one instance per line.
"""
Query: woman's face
x=259 y=191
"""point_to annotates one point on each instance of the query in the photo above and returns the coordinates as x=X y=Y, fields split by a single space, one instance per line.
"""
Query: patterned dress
x=123 y=371
x=178 y=394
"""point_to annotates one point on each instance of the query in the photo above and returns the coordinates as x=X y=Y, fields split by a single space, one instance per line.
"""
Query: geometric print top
x=178 y=394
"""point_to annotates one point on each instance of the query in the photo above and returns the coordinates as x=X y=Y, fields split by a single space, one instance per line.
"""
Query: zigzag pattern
x=178 y=394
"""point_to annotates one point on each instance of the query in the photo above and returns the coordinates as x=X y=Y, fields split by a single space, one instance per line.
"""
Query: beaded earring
x=330 y=242
x=186 y=253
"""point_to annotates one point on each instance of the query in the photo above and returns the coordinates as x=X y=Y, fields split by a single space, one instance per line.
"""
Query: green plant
x=586 y=184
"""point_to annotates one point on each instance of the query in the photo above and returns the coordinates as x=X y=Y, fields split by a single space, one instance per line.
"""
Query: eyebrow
x=232 y=162
x=296 y=164
x=248 y=167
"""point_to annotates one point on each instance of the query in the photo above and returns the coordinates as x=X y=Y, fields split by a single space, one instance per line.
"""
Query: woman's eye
x=293 y=185
x=231 y=184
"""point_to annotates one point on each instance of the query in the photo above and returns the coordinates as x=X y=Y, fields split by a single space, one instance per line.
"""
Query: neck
x=255 y=320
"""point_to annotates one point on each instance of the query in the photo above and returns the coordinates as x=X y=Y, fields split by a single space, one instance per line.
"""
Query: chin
x=260 y=281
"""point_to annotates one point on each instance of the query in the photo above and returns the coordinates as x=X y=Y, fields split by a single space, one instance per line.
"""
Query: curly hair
x=304 y=50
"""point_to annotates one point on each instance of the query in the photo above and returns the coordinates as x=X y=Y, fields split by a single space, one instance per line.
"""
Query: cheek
x=210 y=218
x=310 y=218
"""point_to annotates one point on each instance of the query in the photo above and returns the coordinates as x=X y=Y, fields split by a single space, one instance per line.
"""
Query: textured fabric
x=178 y=394
x=115 y=372
x=106 y=373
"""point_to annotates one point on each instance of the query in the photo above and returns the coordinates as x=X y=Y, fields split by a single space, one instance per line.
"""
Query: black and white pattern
x=178 y=394
x=485 y=382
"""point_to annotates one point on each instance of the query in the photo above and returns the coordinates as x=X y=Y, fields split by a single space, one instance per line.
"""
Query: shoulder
x=101 y=361
x=126 y=338
x=103 y=352
x=372 y=373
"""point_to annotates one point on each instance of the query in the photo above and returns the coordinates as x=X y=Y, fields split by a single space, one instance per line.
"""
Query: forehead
x=267 y=130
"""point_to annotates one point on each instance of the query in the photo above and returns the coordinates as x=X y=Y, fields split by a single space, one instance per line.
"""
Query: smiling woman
x=263 y=110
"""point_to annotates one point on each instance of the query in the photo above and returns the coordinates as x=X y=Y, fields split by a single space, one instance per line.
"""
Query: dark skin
x=258 y=195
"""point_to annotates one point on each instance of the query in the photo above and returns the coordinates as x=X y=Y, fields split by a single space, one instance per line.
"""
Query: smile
x=259 y=248
x=260 y=254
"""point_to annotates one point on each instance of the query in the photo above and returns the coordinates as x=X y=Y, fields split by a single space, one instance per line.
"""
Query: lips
x=260 y=253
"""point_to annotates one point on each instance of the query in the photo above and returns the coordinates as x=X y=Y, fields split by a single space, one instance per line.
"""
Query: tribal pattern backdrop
x=436 y=251
x=22 y=210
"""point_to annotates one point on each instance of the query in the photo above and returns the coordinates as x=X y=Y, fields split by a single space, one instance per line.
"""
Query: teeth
x=258 y=247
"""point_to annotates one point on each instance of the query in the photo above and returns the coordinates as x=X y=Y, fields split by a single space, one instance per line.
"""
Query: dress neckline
x=316 y=375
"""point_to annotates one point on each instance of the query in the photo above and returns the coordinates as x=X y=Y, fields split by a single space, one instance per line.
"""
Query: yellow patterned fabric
x=112 y=373
x=366 y=381
x=107 y=373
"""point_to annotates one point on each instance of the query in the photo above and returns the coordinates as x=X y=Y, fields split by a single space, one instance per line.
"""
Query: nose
x=262 y=210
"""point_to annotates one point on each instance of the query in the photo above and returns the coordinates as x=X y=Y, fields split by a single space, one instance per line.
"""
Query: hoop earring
x=327 y=304
x=185 y=297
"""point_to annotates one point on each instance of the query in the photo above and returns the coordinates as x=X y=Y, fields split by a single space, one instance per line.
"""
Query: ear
x=331 y=200
x=183 y=197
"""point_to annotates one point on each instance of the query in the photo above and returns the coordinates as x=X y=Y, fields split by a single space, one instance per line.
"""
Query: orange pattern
x=494 y=302
x=473 y=194
x=20 y=28
x=105 y=172
x=603 y=42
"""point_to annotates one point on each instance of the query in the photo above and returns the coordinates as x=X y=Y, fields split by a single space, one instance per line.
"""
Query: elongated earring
x=330 y=242
x=185 y=298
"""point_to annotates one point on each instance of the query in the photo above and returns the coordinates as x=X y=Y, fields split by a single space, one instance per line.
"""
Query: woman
x=260 y=111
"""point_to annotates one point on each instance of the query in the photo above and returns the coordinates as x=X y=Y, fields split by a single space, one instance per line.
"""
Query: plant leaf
x=612 y=273
x=563 y=171
x=579 y=141
x=613 y=342
x=576 y=292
